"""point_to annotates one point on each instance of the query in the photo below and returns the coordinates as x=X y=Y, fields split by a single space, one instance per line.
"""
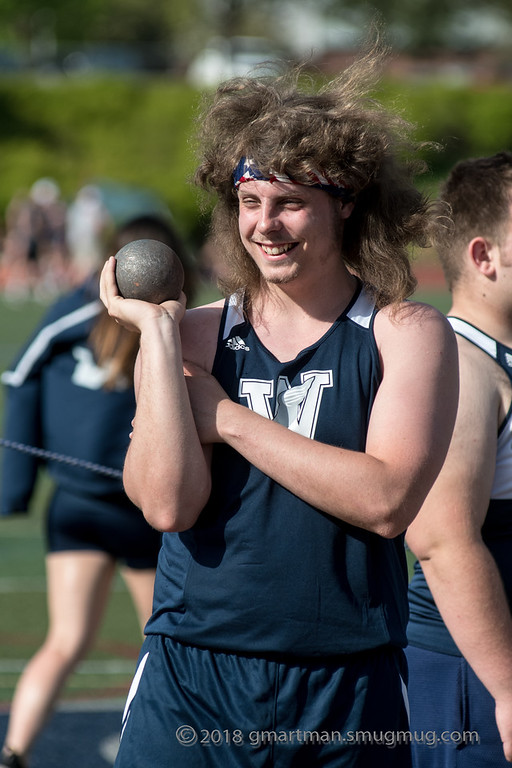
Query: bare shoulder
x=199 y=331
x=414 y=323
x=483 y=380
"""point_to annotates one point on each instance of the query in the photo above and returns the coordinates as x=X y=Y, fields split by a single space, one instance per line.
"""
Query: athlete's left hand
x=206 y=397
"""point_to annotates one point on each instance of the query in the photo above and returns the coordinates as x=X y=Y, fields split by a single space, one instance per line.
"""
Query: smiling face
x=289 y=229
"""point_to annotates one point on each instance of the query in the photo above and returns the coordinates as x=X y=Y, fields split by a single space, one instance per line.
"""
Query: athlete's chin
x=281 y=277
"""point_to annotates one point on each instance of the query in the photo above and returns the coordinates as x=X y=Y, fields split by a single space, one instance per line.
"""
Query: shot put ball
x=149 y=270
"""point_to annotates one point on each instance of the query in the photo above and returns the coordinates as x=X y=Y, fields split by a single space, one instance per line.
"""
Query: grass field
x=108 y=670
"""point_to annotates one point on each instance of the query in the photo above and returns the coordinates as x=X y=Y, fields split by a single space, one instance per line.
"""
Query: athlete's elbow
x=381 y=515
x=169 y=506
x=169 y=519
x=392 y=519
x=389 y=527
x=399 y=505
x=175 y=513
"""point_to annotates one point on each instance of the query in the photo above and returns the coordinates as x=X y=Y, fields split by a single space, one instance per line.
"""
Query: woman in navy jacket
x=71 y=393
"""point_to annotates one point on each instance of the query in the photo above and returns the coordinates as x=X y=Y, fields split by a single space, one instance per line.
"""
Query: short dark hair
x=476 y=197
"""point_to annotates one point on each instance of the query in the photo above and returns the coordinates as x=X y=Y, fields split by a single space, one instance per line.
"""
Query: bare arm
x=166 y=470
x=381 y=489
x=446 y=537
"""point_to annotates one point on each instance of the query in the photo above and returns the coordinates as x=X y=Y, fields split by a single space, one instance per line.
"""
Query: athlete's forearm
x=353 y=486
x=468 y=590
x=166 y=473
x=469 y=593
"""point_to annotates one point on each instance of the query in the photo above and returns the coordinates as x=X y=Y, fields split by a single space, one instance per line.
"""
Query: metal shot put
x=149 y=270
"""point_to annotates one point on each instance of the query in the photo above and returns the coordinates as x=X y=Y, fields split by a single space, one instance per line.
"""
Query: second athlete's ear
x=481 y=254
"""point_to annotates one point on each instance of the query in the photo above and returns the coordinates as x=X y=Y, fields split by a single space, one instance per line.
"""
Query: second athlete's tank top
x=426 y=627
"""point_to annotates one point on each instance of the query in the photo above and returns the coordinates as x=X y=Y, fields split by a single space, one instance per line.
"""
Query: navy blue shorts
x=201 y=709
x=110 y=524
x=452 y=714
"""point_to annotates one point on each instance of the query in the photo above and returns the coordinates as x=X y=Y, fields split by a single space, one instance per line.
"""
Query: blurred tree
x=127 y=20
x=29 y=22
x=45 y=29
x=22 y=20
x=426 y=25
x=39 y=26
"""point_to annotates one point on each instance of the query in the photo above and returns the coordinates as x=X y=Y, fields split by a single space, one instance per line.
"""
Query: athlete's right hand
x=504 y=722
x=134 y=313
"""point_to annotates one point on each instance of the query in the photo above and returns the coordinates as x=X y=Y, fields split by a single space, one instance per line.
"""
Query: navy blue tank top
x=261 y=571
x=426 y=627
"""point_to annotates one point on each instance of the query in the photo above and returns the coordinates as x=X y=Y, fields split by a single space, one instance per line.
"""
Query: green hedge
x=131 y=131
x=138 y=131
x=466 y=122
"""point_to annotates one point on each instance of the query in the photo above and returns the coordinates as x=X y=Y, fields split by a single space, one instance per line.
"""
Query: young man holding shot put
x=314 y=416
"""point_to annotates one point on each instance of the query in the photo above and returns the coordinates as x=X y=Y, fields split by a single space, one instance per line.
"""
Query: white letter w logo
x=296 y=407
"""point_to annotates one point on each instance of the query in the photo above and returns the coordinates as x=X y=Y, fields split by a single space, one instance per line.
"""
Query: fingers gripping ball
x=149 y=270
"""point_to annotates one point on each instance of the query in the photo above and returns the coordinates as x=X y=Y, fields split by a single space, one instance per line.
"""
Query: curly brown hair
x=289 y=125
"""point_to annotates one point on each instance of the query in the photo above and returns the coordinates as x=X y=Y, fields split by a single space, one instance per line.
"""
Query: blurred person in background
x=71 y=392
x=87 y=222
x=460 y=628
x=35 y=257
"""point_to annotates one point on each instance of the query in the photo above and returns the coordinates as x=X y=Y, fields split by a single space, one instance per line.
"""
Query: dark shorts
x=110 y=524
x=452 y=714
x=201 y=709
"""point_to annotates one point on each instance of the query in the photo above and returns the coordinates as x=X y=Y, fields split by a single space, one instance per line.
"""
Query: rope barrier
x=44 y=454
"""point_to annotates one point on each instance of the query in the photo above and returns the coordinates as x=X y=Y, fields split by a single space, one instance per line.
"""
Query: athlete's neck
x=286 y=326
x=321 y=300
